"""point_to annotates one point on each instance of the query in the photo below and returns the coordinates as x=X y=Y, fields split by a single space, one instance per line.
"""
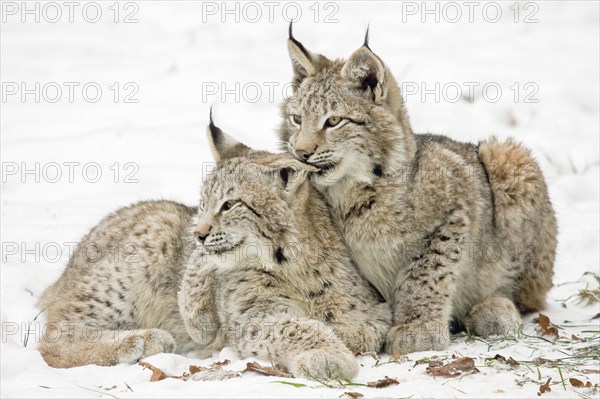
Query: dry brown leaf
x=216 y=374
x=157 y=374
x=221 y=364
x=353 y=395
x=580 y=384
x=196 y=369
x=545 y=387
x=435 y=363
x=545 y=327
x=385 y=382
x=510 y=361
x=197 y=373
x=213 y=373
x=460 y=366
x=576 y=383
x=538 y=361
x=277 y=371
x=213 y=367
x=430 y=360
x=590 y=371
x=398 y=358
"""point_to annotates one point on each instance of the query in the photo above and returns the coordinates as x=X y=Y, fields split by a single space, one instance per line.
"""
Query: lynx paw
x=131 y=349
x=158 y=341
x=362 y=339
x=493 y=316
x=325 y=364
x=417 y=337
x=143 y=344
x=203 y=329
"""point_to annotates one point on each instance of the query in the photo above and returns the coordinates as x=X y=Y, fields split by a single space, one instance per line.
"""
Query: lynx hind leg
x=493 y=316
x=536 y=279
x=308 y=348
x=66 y=346
x=523 y=210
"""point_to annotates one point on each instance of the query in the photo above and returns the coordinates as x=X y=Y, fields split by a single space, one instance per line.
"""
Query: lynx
x=118 y=299
x=451 y=234
x=271 y=275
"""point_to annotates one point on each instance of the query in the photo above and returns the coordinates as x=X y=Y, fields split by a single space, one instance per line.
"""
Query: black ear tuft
x=366 y=43
x=215 y=132
x=303 y=61
x=222 y=145
x=297 y=43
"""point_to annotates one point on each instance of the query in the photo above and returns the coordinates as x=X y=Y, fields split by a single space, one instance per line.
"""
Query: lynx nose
x=304 y=155
x=200 y=238
x=201 y=233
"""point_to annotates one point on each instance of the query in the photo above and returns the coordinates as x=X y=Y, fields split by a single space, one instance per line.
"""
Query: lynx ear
x=222 y=145
x=366 y=71
x=303 y=61
x=290 y=172
x=292 y=176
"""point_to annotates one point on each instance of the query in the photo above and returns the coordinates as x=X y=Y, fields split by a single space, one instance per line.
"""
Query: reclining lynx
x=272 y=272
x=117 y=300
x=446 y=231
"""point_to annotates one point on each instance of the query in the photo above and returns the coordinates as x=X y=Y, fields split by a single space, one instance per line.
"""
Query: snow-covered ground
x=174 y=59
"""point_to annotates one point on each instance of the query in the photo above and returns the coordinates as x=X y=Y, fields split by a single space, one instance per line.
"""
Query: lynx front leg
x=198 y=308
x=364 y=330
x=494 y=316
x=309 y=348
x=422 y=297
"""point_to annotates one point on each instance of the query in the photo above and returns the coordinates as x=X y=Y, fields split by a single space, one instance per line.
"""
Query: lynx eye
x=296 y=119
x=227 y=205
x=334 y=121
x=201 y=205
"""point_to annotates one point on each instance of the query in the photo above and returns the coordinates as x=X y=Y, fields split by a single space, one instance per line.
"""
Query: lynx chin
x=421 y=213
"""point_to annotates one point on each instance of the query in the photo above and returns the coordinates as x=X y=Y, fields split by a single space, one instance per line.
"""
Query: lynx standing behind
x=445 y=230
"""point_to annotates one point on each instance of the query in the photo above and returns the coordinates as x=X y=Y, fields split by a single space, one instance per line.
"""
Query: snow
x=177 y=53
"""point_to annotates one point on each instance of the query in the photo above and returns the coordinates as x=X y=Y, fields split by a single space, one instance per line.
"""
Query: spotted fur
x=272 y=276
x=445 y=230
x=116 y=301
